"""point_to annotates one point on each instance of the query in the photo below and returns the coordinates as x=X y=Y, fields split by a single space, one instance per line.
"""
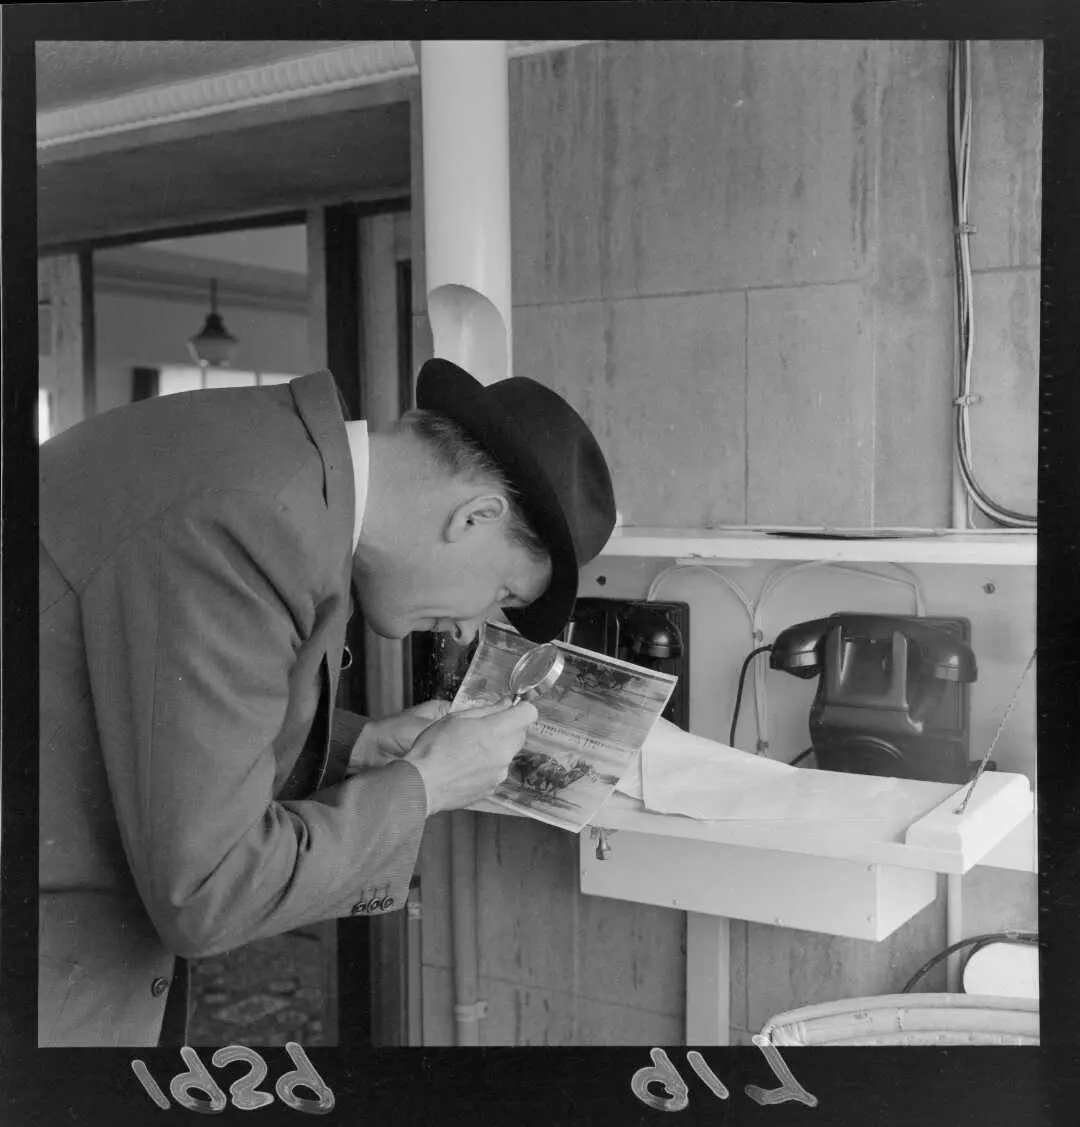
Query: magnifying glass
x=536 y=671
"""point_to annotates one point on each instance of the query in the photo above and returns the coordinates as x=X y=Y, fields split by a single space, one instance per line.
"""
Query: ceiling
x=185 y=165
x=358 y=154
x=69 y=73
x=274 y=248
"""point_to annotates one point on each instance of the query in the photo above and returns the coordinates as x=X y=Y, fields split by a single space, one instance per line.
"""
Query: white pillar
x=708 y=979
x=954 y=929
x=464 y=104
x=465 y=107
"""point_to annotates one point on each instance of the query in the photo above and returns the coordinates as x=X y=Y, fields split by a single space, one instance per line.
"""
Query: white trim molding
x=165 y=275
x=285 y=80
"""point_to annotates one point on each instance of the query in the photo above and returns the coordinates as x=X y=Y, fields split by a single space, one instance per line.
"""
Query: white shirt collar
x=358 y=450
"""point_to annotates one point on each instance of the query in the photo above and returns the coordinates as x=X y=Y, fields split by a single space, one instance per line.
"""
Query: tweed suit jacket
x=195 y=570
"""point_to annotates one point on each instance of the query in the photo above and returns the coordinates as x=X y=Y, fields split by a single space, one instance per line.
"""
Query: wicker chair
x=910 y=1019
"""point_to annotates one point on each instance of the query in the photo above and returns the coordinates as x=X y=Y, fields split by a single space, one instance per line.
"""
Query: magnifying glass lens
x=536 y=671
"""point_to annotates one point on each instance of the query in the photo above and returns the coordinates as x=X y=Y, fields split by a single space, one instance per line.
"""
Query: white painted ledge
x=690 y=546
x=1001 y=803
x=861 y=879
x=284 y=80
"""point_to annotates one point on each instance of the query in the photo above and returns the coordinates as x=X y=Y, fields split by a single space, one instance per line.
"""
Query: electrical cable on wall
x=959 y=169
x=739 y=593
x=753 y=608
x=975 y=941
x=739 y=692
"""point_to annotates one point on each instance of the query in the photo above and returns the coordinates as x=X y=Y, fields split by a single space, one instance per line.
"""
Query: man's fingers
x=478 y=710
x=431 y=709
x=501 y=706
x=518 y=716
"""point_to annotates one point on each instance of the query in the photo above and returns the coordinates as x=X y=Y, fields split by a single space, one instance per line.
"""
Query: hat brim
x=445 y=388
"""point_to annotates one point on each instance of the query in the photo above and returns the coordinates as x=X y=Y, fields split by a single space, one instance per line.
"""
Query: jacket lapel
x=323 y=410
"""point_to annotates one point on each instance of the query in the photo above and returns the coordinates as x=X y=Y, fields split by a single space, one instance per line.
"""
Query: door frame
x=370 y=969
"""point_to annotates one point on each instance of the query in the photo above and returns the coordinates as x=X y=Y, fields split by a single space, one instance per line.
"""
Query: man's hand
x=392 y=737
x=464 y=756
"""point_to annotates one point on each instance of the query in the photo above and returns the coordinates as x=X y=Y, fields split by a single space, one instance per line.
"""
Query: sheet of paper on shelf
x=677 y=761
x=681 y=773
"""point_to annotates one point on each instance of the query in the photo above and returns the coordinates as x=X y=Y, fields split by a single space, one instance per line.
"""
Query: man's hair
x=462 y=457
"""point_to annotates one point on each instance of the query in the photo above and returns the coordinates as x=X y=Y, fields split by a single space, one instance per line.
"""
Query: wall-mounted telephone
x=650 y=633
x=892 y=698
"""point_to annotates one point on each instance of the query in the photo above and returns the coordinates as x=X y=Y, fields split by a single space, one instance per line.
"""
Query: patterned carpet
x=269 y=992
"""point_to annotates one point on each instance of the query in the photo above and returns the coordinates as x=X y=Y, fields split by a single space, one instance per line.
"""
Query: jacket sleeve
x=191 y=630
x=345 y=730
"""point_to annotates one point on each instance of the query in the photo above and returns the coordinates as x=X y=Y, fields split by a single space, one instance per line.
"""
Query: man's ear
x=483 y=510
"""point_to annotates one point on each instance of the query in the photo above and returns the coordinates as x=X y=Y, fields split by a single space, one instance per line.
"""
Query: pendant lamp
x=213 y=346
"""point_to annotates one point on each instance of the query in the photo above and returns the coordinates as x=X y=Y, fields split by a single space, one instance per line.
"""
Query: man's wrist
x=365 y=750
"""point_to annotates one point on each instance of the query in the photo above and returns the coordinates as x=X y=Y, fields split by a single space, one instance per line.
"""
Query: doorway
x=324 y=288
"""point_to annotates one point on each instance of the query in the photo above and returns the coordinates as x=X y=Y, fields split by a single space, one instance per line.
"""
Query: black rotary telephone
x=892 y=698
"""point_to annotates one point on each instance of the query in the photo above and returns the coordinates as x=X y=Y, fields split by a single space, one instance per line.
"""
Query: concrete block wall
x=735 y=259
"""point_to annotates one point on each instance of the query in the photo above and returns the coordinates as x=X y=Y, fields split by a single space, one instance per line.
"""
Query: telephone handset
x=801 y=649
x=892 y=695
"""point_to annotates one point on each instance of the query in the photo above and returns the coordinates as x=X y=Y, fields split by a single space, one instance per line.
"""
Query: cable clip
x=965 y=229
x=471 y=1013
x=967 y=400
x=762 y=746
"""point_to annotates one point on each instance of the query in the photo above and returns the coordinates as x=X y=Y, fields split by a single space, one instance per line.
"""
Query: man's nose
x=465 y=630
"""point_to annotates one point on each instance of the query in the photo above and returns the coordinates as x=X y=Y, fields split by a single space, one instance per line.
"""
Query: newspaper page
x=592 y=723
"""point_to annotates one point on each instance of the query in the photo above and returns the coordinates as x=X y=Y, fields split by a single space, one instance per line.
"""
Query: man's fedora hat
x=553 y=462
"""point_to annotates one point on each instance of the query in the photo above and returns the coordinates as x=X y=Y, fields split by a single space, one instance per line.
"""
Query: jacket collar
x=324 y=412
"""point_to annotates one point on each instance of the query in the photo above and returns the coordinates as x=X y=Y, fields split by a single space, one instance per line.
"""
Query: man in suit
x=199 y=555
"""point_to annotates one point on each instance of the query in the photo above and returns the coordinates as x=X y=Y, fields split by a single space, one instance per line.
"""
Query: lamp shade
x=213 y=346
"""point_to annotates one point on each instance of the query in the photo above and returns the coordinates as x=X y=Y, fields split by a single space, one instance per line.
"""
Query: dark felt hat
x=551 y=458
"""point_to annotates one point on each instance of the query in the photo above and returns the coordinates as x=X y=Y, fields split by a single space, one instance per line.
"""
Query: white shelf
x=705 y=545
x=998 y=821
x=935 y=840
x=858 y=878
